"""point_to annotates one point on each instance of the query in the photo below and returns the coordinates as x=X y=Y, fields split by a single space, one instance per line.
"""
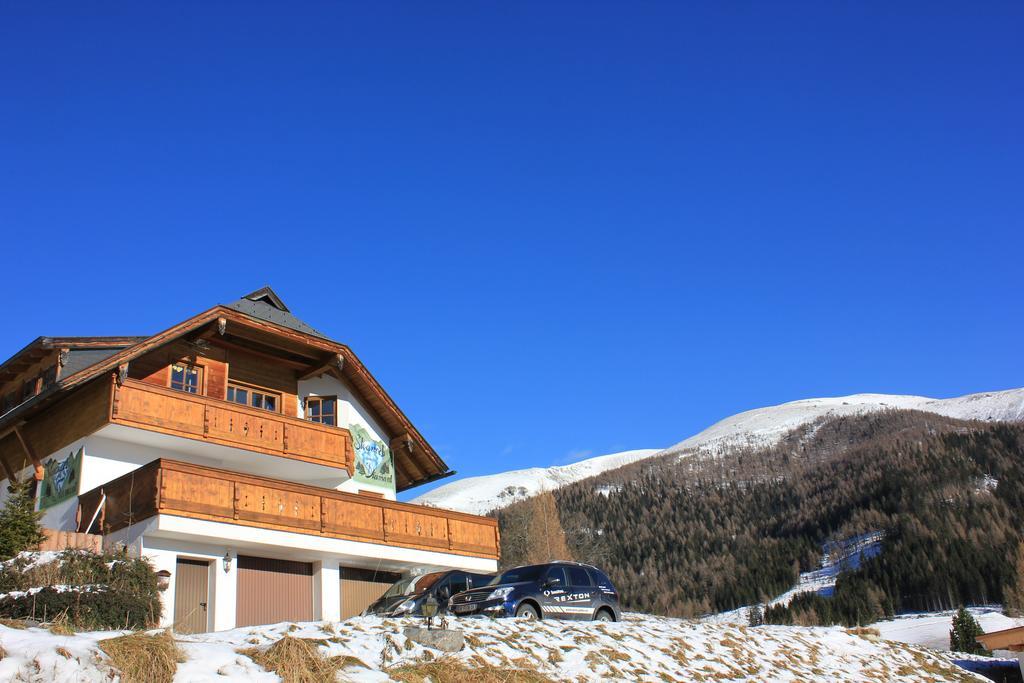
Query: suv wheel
x=528 y=612
x=604 y=615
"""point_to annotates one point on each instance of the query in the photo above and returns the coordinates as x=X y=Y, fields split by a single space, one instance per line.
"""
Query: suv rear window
x=578 y=576
x=598 y=576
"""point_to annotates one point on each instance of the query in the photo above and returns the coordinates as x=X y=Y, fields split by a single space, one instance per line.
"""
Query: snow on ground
x=641 y=648
x=480 y=495
x=760 y=427
x=837 y=557
x=931 y=629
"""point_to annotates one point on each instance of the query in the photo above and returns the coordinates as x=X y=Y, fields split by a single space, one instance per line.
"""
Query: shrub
x=94 y=591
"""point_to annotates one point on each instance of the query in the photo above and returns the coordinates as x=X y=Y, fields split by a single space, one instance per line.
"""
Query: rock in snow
x=640 y=648
x=759 y=427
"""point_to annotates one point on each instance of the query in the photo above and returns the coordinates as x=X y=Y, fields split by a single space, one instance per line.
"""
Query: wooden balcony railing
x=176 y=488
x=138 y=404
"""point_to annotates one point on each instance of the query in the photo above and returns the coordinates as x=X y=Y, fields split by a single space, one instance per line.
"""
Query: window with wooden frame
x=322 y=409
x=254 y=397
x=187 y=378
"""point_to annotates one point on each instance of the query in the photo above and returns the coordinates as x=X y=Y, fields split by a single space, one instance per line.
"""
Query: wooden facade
x=186 y=490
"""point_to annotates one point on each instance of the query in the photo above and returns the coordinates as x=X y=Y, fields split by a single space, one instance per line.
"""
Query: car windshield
x=519 y=575
x=413 y=585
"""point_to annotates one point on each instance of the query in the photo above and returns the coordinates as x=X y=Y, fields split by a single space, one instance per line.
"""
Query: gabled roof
x=263 y=312
x=264 y=304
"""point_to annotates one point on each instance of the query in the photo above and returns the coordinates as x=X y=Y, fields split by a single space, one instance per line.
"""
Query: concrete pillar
x=326 y=590
x=224 y=586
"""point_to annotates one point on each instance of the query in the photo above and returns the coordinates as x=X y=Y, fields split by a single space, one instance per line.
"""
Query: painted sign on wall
x=60 y=480
x=374 y=464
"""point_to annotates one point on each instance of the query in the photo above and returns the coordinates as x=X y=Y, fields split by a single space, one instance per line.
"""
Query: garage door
x=360 y=588
x=270 y=591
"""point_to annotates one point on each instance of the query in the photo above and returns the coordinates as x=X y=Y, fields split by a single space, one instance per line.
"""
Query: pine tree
x=19 y=523
x=965 y=631
x=1013 y=594
x=755 y=616
x=547 y=538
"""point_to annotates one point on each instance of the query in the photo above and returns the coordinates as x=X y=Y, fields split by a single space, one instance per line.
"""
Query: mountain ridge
x=757 y=427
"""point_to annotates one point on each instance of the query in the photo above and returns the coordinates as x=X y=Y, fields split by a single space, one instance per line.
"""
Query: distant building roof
x=264 y=304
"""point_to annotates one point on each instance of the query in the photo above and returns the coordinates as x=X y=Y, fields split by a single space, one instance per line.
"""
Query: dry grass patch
x=143 y=657
x=61 y=626
x=296 y=660
x=64 y=652
x=451 y=670
x=13 y=623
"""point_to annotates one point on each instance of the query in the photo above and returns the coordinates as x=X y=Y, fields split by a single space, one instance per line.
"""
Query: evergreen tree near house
x=965 y=631
x=20 y=527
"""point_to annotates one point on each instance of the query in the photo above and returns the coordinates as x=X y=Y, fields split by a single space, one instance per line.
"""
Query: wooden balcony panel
x=472 y=537
x=194 y=491
x=143 y=405
x=189 y=492
x=412 y=527
x=346 y=519
x=276 y=506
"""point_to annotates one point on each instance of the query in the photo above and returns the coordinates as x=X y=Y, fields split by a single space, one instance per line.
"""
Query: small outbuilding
x=1011 y=639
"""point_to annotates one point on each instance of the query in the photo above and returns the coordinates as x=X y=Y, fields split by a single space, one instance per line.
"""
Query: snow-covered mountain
x=480 y=495
x=759 y=427
x=767 y=426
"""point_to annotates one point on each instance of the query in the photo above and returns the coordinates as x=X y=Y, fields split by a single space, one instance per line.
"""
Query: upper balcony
x=201 y=418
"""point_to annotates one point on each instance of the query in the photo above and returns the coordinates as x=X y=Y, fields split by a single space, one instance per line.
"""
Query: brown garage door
x=191 y=595
x=270 y=591
x=361 y=587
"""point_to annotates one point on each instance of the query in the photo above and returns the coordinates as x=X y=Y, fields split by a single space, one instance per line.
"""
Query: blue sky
x=549 y=229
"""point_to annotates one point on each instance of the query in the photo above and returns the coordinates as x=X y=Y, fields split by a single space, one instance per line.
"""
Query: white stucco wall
x=350 y=411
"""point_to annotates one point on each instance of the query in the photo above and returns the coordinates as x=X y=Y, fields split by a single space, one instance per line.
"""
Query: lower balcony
x=169 y=487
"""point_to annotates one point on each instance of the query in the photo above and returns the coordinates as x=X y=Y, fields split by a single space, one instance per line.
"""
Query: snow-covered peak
x=759 y=427
x=480 y=495
x=767 y=426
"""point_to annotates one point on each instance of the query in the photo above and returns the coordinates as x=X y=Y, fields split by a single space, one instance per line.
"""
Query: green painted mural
x=60 y=480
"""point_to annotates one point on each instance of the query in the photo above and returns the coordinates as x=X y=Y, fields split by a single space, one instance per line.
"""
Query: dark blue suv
x=556 y=590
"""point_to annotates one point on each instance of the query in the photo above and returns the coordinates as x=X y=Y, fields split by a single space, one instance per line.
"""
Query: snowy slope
x=931 y=629
x=760 y=427
x=766 y=426
x=480 y=495
x=640 y=648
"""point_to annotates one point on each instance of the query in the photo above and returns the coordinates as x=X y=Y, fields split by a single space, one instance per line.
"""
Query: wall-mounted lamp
x=227 y=562
x=163 y=579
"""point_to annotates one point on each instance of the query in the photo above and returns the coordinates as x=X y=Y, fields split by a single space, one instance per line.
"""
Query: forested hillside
x=701 y=534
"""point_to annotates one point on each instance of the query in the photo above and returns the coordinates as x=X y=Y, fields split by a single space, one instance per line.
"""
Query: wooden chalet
x=242 y=451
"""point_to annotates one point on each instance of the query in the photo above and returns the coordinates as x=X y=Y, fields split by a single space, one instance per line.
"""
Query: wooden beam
x=30 y=453
x=223 y=343
x=336 y=362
